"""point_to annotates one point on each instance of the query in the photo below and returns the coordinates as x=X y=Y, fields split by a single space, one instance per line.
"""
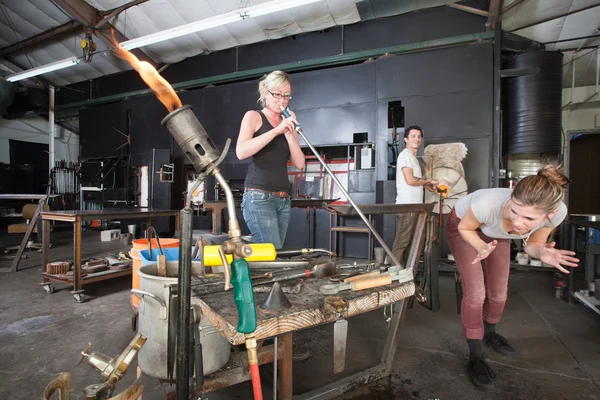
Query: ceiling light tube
x=274 y=6
x=43 y=69
x=212 y=22
x=182 y=30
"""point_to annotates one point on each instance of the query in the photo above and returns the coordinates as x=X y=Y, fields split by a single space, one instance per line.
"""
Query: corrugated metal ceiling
x=547 y=21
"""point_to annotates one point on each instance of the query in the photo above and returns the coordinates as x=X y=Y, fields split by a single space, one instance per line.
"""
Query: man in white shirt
x=409 y=190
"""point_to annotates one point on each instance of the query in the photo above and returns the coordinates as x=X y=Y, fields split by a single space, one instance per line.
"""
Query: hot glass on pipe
x=191 y=136
x=341 y=187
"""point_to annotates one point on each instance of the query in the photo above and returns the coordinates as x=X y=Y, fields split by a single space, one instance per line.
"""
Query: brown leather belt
x=284 y=195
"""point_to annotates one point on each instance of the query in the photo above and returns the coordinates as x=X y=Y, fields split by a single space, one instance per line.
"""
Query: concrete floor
x=559 y=344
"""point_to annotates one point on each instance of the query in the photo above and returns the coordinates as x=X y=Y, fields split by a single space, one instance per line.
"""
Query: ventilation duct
x=534 y=115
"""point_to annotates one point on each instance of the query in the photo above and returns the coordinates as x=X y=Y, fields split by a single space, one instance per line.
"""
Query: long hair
x=544 y=191
x=270 y=82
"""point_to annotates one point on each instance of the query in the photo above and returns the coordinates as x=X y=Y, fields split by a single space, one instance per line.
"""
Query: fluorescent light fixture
x=212 y=22
x=43 y=69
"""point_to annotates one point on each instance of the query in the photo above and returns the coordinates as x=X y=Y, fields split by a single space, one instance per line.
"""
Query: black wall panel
x=202 y=66
x=223 y=109
x=442 y=71
x=348 y=85
x=462 y=114
x=290 y=49
x=413 y=27
x=97 y=136
x=337 y=124
x=147 y=132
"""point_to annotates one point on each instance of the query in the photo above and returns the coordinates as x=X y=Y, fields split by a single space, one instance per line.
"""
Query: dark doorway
x=34 y=155
x=584 y=171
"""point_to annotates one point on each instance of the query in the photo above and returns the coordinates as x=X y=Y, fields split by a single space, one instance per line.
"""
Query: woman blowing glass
x=270 y=141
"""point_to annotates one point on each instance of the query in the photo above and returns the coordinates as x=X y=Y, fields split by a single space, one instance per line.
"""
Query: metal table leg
x=77 y=282
x=45 y=247
x=571 y=278
x=381 y=370
x=36 y=217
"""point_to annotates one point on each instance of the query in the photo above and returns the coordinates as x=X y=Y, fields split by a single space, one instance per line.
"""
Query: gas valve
x=88 y=46
x=114 y=367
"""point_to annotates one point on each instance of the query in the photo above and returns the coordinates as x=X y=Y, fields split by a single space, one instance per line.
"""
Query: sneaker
x=481 y=374
x=499 y=344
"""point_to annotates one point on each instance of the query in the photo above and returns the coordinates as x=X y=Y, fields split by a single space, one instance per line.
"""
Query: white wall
x=35 y=129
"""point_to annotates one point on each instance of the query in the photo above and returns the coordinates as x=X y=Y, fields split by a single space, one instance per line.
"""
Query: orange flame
x=159 y=85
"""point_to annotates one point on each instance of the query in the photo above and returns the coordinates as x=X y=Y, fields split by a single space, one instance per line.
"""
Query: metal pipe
x=51 y=127
x=228 y=195
x=343 y=190
x=573 y=77
x=275 y=344
x=184 y=282
x=597 y=67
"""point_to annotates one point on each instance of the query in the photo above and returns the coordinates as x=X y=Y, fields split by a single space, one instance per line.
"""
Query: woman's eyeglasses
x=279 y=96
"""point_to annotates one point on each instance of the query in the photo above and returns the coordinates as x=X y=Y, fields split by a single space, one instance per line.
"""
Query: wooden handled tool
x=362 y=276
x=360 y=284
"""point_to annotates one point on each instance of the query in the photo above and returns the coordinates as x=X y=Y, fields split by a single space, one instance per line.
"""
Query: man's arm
x=413 y=180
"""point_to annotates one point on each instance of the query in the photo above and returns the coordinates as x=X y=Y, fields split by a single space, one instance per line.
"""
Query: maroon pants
x=485 y=283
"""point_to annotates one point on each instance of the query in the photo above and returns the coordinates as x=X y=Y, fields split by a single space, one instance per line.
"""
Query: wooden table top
x=107 y=213
x=308 y=309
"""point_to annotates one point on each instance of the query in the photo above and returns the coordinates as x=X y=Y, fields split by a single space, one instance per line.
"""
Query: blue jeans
x=267 y=216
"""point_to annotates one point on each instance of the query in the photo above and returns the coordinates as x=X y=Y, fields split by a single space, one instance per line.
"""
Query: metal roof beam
x=493 y=14
x=41 y=38
x=471 y=10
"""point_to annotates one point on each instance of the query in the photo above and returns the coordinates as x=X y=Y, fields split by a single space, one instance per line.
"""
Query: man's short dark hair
x=410 y=128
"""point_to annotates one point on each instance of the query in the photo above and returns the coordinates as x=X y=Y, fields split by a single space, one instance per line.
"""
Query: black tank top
x=268 y=167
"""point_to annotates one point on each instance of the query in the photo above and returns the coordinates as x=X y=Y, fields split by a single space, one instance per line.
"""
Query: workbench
x=42 y=199
x=309 y=309
x=77 y=217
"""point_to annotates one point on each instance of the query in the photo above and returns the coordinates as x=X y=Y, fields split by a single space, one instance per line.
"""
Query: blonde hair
x=544 y=191
x=270 y=82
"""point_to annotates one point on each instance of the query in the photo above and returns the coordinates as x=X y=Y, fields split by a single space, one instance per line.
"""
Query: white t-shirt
x=488 y=206
x=406 y=194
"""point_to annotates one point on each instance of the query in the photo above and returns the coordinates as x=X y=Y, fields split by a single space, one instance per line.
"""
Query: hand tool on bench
x=369 y=282
x=320 y=270
x=161 y=259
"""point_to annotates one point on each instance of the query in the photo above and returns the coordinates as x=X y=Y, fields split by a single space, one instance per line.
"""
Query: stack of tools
x=65 y=177
x=58 y=267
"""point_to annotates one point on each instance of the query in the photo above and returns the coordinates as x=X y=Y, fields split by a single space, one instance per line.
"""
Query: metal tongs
x=161 y=259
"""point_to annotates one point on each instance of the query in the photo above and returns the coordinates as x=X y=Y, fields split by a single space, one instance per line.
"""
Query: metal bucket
x=153 y=324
